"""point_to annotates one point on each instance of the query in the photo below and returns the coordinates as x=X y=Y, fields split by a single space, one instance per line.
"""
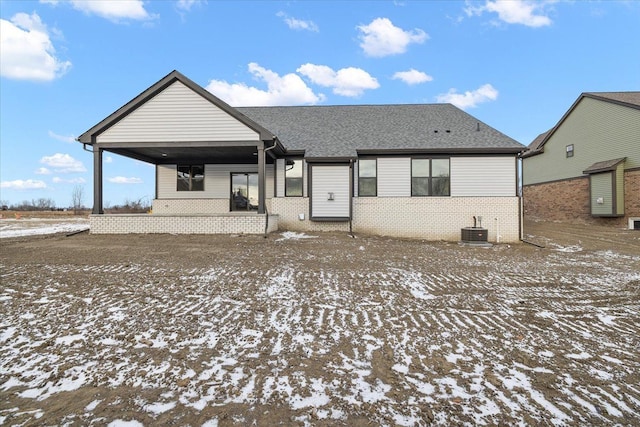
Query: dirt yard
x=326 y=330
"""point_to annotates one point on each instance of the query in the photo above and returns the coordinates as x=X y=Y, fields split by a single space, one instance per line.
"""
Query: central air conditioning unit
x=475 y=234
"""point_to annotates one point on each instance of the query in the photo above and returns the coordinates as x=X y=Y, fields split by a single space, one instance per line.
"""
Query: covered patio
x=208 y=157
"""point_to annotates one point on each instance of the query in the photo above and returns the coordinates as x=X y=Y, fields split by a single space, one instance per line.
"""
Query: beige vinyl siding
x=325 y=180
x=483 y=176
x=601 y=186
x=178 y=114
x=305 y=177
x=598 y=130
x=280 y=165
x=394 y=177
x=217 y=181
x=355 y=178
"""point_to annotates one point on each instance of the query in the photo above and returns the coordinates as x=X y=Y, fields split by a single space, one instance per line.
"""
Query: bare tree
x=43 y=204
x=77 y=196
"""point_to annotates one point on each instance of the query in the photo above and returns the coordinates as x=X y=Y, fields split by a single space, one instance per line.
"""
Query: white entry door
x=330 y=192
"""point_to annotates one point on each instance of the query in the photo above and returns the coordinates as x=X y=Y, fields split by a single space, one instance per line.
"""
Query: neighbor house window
x=430 y=177
x=190 y=178
x=293 y=178
x=570 y=150
x=367 y=177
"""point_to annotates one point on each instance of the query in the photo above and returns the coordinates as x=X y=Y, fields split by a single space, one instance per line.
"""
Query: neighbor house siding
x=332 y=179
x=598 y=130
x=394 y=176
x=483 y=176
x=178 y=114
x=601 y=186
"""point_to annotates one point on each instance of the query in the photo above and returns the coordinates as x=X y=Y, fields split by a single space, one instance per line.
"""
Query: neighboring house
x=420 y=171
x=587 y=167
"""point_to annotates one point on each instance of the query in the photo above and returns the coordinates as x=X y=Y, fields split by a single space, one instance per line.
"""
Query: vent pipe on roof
x=478 y=127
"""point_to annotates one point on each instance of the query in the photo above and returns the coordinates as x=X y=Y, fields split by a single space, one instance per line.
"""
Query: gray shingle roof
x=629 y=98
x=343 y=131
x=604 y=166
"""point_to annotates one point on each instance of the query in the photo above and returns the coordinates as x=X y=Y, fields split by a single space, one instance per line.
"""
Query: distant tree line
x=41 y=204
x=77 y=204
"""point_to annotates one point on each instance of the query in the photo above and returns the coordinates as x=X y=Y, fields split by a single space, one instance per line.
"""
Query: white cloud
x=469 y=99
x=27 y=51
x=298 y=24
x=382 y=38
x=346 y=81
x=125 y=180
x=108 y=159
x=186 y=5
x=289 y=89
x=412 y=77
x=42 y=171
x=63 y=163
x=58 y=180
x=62 y=138
x=524 y=12
x=18 y=184
x=115 y=11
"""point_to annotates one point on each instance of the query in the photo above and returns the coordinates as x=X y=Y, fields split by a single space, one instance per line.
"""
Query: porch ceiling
x=172 y=155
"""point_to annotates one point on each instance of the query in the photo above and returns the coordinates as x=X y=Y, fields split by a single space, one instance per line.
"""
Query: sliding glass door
x=244 y=191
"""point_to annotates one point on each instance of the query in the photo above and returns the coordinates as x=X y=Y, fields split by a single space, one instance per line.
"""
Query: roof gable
x=625 y=99
x=147 y=105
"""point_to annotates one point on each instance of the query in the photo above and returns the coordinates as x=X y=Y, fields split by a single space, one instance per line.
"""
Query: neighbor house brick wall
x=568 y=200
x=631 y=195
x=558 y=201
x=194 y=224
x=432 y=218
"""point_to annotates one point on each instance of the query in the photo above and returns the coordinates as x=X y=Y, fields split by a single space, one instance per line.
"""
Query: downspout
x=351 y=183
x=266 y=210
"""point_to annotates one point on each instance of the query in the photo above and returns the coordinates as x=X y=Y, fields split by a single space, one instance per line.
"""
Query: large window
x=430 y=177
x=190 y=178
x=293 y=178
x=367 y=177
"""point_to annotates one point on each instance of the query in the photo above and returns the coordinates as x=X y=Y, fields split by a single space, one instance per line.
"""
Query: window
x=430 y=177
x=367 y=177
x=293 y=178
x=570 y=150
x=190 y=178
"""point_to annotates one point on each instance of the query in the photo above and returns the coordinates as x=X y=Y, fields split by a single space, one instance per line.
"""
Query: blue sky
x=66 y=65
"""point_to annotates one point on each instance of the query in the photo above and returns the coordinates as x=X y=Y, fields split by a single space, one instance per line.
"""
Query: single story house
x=587 y=167
x=419 y=171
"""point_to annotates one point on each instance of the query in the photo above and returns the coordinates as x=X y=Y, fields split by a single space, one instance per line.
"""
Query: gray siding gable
x=344 y=131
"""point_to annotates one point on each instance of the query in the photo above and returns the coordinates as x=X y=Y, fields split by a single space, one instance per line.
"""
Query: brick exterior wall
x=568 y=200
x=182 y=224
x=430 y=218
x=190 y=206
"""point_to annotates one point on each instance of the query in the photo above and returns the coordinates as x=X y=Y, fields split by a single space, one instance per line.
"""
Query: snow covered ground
x=40 y=226
x=327 y=330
